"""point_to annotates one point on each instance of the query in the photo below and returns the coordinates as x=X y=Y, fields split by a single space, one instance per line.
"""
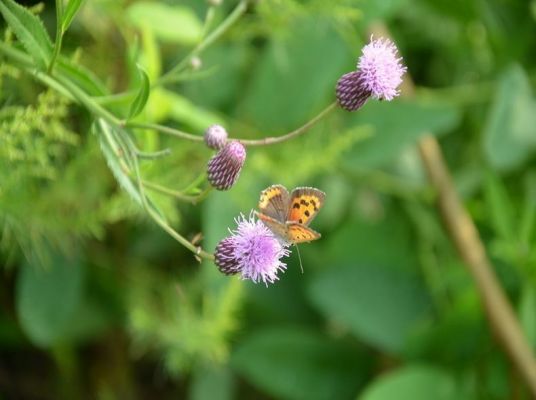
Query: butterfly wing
x=277 y=227
x=274 y=202
x=305 y=202
x=298 y=233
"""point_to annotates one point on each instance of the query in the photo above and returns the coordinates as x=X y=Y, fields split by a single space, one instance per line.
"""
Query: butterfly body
x=288 y=214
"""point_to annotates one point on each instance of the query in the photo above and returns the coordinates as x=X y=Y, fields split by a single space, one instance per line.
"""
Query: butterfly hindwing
x=298 y=233
x=274 y=202
x=305 y=202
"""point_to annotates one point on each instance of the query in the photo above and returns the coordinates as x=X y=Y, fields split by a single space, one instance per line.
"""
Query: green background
x=97 y=302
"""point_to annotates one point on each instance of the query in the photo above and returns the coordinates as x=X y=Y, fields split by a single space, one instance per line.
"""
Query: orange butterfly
x=288 y=215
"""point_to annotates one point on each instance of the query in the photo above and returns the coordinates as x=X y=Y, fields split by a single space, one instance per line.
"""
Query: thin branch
x=301 y=130
x=198 y=251
x=194 y=199
x=206 y=42
x=164 y=129
x=465 y=236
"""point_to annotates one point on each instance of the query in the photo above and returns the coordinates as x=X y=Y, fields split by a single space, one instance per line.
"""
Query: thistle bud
x=215 y=137
x=224 y=167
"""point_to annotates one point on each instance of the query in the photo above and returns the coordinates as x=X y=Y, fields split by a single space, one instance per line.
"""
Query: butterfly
x=289 y=215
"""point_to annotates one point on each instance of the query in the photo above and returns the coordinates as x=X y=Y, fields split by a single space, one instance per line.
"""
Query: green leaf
x=69 y=13
x=380 y=305
x=184 y=111
x=82 y=77
x=212 y=382
x=397 y=125
x=29 y=30
x=110 y=151
x=527 y=313
x=298 y=364
x=510 y=132
x=177 y=24
x=380 y=10
x=47 y=297
x=500 y=207
x=291 y=81
x=143 y=94
x=413 y=383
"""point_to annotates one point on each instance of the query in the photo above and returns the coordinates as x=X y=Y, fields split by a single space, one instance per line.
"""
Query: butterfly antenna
x=299 y=257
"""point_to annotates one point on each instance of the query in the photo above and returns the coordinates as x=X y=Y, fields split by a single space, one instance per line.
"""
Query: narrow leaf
x=104 y=132
x=70 y=12
x=29 y=30
x=143 y=94
x=82 y=77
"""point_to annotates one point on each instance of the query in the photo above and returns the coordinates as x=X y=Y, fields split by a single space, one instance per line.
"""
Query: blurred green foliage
x=98 y=302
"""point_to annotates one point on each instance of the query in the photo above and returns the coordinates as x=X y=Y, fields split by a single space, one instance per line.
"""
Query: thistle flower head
x=224 y=167
x=381 y=69
x=379 y=74
x=215 y=137
x=253 y=251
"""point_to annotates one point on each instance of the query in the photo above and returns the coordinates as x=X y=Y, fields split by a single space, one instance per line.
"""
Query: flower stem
x=206 y=42
x=164 y=129
x=301 y=130
x=153 y=214
x=174 y=193
x=59 y=35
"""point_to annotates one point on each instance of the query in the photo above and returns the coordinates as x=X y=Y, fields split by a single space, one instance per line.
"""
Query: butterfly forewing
x=274 y=202
x=305 y=202
x=277 y=227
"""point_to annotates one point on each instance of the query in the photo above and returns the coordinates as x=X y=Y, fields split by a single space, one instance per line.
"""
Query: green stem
x=59 y=35
x=209 y=17
x=87 y=101
x=206 y=42
x=196 y=182
x=153 y=155
x=301 y=130
x=157 y=218
x=179 y=195
x=164 y=129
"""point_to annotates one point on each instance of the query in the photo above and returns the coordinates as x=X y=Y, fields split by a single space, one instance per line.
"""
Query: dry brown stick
x=465 y=236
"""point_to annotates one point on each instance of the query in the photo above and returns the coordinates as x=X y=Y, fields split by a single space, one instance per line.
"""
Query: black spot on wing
x=296 y=205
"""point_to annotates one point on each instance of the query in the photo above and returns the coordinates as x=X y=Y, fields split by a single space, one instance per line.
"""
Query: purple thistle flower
x=379 y=74
x=381 y=69
x=224 y=167
x=215 y=137
x=253 y=250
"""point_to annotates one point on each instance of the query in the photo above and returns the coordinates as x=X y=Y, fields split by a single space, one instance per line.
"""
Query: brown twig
x=465 y=236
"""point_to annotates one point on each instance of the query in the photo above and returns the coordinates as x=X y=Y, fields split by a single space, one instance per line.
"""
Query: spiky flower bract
x=224 y=167
x=253 y=251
